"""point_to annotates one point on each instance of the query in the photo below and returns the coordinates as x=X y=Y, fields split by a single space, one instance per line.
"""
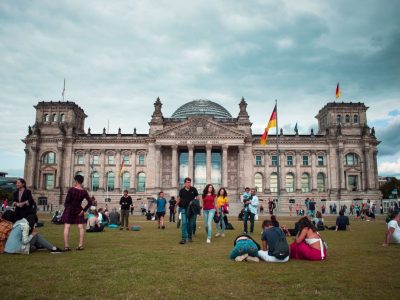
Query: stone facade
x=336 y=164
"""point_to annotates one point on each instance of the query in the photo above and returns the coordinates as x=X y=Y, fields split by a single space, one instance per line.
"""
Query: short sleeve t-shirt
x=342 y=222
x=186 y=196
x=208 y=202
x=271 y=235
x=396 y=233
x=161 y=202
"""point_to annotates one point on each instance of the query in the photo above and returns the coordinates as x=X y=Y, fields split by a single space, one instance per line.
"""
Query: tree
x=389 y=186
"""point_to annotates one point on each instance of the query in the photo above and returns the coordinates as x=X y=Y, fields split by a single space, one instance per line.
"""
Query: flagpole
x=91 y=177
x=278 y=160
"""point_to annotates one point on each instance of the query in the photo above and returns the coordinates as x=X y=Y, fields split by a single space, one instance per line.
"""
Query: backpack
x=281 y=247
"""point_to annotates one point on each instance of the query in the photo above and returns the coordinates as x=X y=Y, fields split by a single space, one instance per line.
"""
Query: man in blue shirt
x=161 y=203
x=252 y=204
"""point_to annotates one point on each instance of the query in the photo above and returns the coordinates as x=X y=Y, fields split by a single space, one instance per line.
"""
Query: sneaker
x=182 y=242
x=121 y=228
x=223 y=234
x=127 y=228
x=163 y=227
x=56 y=251
x=208 y=241
x=241 y=257
x=217 y=234
x=252 y=259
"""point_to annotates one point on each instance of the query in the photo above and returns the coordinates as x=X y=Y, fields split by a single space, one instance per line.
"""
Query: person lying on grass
x=245 y=249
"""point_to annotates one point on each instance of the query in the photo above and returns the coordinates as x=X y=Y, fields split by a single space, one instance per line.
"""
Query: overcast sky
x=119 y=56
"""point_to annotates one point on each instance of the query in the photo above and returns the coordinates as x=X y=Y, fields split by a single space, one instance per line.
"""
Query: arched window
x=338 y=118
x=289 y=183
x=305 y=183
x=95 y=181
x=141 y=159
x=347 y=119
x=321 y=182
x=46 y=118
x=54 y=118
x=49 y=158
x=355 y=118
x=258 y=182
x=126 y=178
x=110 y=181
x=273 y=184
x=62 y=118
x=351 y=159
x=141 y=182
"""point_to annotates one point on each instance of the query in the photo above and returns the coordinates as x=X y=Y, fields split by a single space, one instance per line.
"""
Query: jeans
x=221 y=223
x=171 y=216
x=243 y=247
x=208 y=219
x=40 y=242
x=124 y=218
x=193 y=222
x=187 y=225
x=245 y=218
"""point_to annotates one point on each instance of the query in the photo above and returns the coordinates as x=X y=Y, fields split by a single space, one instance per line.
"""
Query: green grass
x=151 y=264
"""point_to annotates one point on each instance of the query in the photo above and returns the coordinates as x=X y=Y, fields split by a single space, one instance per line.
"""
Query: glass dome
x=201 y=107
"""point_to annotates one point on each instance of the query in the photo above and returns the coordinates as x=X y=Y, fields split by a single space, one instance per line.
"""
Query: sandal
x=79 y=248
x=66 y=249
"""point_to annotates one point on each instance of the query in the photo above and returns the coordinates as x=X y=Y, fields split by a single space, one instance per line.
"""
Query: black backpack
x=281 y=247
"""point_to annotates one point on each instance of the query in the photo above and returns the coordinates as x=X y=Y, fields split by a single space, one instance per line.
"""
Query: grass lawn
x=151 y=264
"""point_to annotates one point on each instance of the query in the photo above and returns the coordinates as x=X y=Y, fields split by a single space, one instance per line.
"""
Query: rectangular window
x=96 y=160
x=289 y=160
x=258 y=160
x=111 y=160
x=274 y=160
x=141 y=160
x=353 y=182
x=305 y=160
x=80 y=159
x=126 y=159
x=321 y=160
x=48 y=181
x=183 y=167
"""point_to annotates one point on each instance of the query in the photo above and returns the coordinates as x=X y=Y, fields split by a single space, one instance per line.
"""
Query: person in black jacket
x=23 y=201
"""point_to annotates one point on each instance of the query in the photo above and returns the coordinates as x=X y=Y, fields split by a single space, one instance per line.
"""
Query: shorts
x=160 y=214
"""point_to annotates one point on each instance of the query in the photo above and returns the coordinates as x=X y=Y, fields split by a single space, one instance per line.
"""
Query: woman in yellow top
x=222 y=201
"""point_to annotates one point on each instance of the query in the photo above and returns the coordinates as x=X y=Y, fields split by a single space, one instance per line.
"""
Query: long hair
x=225 y=193
x=205 y=191
x=305 y=222
x=274 y=221
x=23 y=182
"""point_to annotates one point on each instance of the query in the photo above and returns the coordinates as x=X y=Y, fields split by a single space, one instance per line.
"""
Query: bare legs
x=66 y=234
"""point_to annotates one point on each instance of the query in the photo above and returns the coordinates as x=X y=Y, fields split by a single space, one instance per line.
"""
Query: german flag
x=338 y=91
x=271 y=124
x=121 y=167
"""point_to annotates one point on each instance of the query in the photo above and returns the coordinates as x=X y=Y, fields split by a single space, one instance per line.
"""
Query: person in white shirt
x=393 y=230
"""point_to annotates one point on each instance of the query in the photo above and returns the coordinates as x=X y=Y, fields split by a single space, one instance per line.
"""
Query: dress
x=73 y=206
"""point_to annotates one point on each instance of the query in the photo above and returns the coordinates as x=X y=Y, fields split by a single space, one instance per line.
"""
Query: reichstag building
x=201 y=140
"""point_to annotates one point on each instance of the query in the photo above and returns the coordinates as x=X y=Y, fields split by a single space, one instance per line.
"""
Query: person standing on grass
x=393 y=230
x=126 y=203
x=186 y=195
x=252 y=205
x=73 y=211
x=23 y=201
x=208 y=209
x=172 y=209
x=222 y=203
x=161 y=203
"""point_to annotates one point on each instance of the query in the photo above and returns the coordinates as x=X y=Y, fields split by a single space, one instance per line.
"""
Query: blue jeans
x=243 y=247
x=221 y=223
x=187 y=225
x=245 y=218
x=208 y=219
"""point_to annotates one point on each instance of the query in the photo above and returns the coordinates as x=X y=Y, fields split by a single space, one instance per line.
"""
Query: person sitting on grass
x=342 y=222
x=161 y=204
x=114 y=217
x=149 y=215
x=6 y=224
x=393 y=230
x=308 y=244
x=24 y=238
x=94 y=224
x=318 y=221
x=245 y=249
x=269 y=237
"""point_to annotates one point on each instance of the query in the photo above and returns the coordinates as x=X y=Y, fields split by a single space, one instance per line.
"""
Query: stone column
x=208 y=163
x=367 y=167
x=60 y=160
x=190 y=162
x=298 y=172
x=88 y=177
x=266 y=171
x=158 y=167
x=34 y=181
x=342 y=179
x=282 y=170
x=313 y=172
x=241 y=168
x=133 y=173
x=117 y=187
x=26 y=168
x=225 y=166
x=174 y=166
x=102 y=175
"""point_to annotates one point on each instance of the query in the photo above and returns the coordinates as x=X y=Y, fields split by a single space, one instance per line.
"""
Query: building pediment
x=200 y=127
